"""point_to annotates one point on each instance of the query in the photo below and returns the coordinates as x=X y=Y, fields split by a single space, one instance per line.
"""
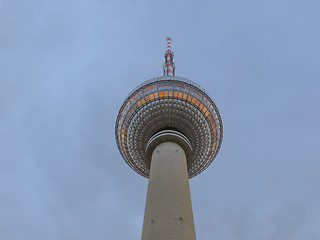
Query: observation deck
x=168 y=103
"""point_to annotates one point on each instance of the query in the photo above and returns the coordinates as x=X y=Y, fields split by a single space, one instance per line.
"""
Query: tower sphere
x=168 y=103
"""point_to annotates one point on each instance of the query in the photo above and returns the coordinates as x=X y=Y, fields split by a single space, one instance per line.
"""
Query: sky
x=66 y=66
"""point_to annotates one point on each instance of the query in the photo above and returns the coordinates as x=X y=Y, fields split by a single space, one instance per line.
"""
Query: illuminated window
x=189 y=98
x=142 y=100
x=147 y=98
x=194 y=100
x=132 y=110
x=161 y=93
x=197 y=102
x=150 y=87
x=139 y=103
x=204 y=109
x=170 y=93
x=123 y=131
x=201 y=106
x=156 y=95
x=166 y=93
x=180 y=94
x=184 y=96
x=151 y=96
x=175 y=93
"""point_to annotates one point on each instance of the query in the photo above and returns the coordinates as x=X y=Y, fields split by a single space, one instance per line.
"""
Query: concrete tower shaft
x=168 y=212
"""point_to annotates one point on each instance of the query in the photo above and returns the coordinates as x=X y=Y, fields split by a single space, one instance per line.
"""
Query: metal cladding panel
x=168 y=102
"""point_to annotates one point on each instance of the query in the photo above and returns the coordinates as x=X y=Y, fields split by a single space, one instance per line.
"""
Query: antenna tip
x=168 y=43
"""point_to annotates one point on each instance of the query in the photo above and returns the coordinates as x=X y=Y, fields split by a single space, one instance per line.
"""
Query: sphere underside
x=168 y=103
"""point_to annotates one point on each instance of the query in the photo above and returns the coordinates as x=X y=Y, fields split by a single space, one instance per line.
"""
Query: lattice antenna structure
x=168 y=66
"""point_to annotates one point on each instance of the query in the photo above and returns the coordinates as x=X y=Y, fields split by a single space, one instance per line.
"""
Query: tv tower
x=168 y=130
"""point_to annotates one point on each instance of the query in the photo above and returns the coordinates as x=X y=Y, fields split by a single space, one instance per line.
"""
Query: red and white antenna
x=168 y=66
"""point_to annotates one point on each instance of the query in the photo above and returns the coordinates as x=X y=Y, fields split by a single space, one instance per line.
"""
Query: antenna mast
x=168 y=66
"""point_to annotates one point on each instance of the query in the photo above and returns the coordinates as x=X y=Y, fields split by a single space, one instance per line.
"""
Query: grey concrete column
x=168 y=212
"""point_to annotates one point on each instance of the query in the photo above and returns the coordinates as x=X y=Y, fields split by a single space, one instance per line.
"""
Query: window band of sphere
x=167 y=94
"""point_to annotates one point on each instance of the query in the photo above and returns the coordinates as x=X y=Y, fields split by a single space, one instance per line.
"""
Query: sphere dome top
x=168 y=103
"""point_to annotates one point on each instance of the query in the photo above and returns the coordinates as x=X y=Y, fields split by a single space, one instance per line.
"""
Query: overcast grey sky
x=67 y=65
